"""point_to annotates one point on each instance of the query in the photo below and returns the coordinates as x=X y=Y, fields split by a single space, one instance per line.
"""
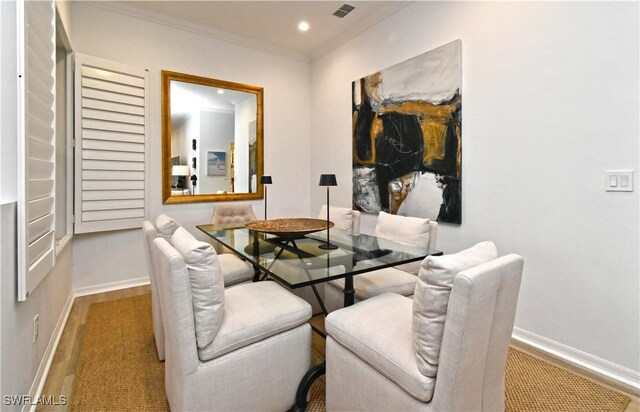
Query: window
x=64 y=140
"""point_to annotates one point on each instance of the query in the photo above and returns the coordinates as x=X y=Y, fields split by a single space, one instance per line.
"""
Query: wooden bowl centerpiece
x=289 y=228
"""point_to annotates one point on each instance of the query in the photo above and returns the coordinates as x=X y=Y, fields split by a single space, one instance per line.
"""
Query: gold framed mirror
x=212 y=139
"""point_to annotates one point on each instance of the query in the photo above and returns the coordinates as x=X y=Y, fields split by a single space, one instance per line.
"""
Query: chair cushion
x=431 y=299
x=234 y=269
x=233 y=213
x=378 y=331
x=341 y=217
x=255 y=311
x=380 y=281
x=166 y=226
x=207 y=285
x=411 y=230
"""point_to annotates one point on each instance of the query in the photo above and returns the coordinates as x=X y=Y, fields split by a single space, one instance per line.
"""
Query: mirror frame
x=167 y=198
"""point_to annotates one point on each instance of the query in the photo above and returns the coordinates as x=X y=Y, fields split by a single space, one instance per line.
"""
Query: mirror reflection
x=212 y=133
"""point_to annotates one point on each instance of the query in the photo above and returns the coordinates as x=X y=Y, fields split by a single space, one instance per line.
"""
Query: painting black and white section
x=407 y=147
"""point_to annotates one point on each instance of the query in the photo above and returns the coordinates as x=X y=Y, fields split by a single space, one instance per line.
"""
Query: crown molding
x=196 y=28
x=354 y=30
x=203 y=30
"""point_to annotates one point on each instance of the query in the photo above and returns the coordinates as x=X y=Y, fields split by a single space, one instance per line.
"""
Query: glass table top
x=300 y=262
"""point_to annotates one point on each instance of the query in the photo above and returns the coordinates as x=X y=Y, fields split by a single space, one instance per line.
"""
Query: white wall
x=180 y=143
x=22 y=358
x=63 y=10
x=191 y=131
x=119 y=256
x=245 y=114
x=550 y=101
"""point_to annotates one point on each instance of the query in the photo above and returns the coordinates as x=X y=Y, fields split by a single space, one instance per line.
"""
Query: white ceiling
x=266 y=25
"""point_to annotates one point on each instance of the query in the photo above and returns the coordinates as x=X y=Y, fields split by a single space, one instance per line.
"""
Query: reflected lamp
x=181 y=171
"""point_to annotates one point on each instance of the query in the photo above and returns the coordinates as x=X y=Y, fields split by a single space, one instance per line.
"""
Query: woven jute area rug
x=119 y=370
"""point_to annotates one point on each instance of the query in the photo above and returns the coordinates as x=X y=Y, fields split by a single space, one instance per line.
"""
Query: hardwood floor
x=62 y=373
x=61 y=377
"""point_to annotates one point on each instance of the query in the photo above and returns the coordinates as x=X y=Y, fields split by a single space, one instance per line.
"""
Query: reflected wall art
x=216 y=163
x=407 y=143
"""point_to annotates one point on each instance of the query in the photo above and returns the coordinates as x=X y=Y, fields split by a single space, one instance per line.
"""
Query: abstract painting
x=407 y=147
x=216 y=163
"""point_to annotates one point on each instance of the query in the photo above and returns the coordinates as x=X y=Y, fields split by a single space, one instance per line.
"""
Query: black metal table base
x=305 y=384
x=317 y=370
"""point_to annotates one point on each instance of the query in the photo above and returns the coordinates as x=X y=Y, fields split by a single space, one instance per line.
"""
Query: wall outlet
x=36 y=328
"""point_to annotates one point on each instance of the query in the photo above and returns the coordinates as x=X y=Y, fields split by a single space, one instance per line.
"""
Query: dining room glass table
x=299 y=259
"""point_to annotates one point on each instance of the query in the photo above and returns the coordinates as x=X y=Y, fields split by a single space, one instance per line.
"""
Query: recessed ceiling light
x=220 y=91
x=303 y=26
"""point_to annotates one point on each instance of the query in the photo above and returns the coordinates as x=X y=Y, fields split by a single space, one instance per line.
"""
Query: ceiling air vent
x=343 y=10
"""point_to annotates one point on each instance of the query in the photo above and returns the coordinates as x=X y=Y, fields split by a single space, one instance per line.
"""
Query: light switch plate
x=618 y=181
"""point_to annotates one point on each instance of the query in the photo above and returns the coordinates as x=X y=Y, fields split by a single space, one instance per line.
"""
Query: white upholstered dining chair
x=150 y=234
x=233 y=213
x=242 y=348
x=240 y=213
x=443 y=350
x=399 y=279
x=234 y=271
x=343 y=218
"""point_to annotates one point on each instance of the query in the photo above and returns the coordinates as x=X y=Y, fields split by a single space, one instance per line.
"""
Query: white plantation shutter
x=111 y=145
x=36 y=142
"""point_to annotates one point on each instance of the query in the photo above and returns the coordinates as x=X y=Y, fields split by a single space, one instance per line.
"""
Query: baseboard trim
x=108 y=287
x=601 y=368
x=49 y=353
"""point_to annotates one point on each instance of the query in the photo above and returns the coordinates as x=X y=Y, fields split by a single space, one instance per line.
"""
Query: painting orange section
x=374 y=133
x=422 y=108
x=434 y=120
x=433 y=133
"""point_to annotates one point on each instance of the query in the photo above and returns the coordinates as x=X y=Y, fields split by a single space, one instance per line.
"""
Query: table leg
x=319 y=299
x=256 y=274
x=348 y=291
x=320 y=369
x=308 y=379
x=313 y=287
